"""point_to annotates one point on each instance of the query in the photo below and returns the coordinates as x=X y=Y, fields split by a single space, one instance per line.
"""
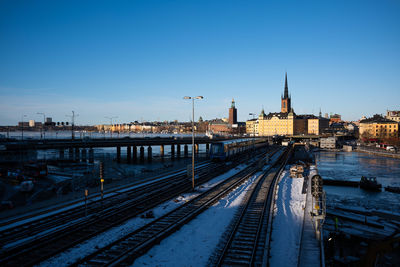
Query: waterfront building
x=23 y=124
x=328 y=142
x=316 y=125
x=286 y=122
x=278 y=123
x=393 y=115
x=378 y=127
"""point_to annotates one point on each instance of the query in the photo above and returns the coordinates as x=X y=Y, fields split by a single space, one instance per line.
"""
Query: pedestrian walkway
x=310 y=253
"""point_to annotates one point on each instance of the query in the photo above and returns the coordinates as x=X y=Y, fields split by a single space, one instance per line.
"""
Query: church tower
x=285 y=99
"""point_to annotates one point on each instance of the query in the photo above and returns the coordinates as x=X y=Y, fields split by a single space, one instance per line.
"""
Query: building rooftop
x=377 y=119
x=280 y=115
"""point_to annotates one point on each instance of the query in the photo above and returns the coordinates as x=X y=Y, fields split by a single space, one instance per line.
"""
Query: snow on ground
x=288 y=221
x=102 y=240
x=195 y=242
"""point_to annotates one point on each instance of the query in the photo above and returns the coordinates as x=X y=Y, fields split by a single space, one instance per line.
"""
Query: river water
x=351 y=166
x=101 y=153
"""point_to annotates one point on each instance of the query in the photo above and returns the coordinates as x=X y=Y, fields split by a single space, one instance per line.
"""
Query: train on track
x=224 y=150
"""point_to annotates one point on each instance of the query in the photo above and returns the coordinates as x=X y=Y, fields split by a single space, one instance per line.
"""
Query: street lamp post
x=42 y=134
x=72 y=123
x=193 y=98
x=254 y=130
x=22 y=130
x=111 y=119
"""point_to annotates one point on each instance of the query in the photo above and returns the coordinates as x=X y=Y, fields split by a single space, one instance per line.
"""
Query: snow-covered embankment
x=288 y=221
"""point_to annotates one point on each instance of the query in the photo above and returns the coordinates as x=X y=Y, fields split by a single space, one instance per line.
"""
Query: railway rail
x=63 y=234
x=76 y=205
x=131 y=246
x=10 y=234
x=245 y=243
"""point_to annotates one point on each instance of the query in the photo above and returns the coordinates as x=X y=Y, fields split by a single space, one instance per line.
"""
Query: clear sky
x=137 y=59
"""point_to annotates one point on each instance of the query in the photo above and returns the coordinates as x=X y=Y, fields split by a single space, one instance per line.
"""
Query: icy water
x=351 y=166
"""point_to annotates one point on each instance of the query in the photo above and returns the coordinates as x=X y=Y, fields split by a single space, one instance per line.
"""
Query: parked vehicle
x=390 y=148
x=26 y=186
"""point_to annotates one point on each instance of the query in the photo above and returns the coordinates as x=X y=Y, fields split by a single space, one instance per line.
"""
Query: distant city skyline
x=138 y=59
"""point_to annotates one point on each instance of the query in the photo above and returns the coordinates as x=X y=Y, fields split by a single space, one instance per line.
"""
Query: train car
x=226 y=149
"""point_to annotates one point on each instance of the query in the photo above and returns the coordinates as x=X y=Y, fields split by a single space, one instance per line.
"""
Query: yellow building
x=252 y=127
x=393 y=115
x=286 y=122
x=378 y=127
x=276 y=124
x=315 y=125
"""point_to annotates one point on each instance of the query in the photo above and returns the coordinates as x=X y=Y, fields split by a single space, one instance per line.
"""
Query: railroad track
x=245 y=242
x=31 y=228
x=131 y=246
x=120 y=210
x=92 y=198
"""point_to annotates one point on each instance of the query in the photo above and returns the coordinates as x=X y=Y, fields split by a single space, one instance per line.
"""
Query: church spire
x=286 y=94
x=286 y=99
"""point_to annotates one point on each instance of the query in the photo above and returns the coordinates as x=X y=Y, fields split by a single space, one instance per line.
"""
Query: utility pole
x=193 y=98
x=72 y=123
x=42 y=135
x=111 y=122
x=22 y=130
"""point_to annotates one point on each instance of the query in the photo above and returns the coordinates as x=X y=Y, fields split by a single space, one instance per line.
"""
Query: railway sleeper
x=241 y=252
x=249 y=224
x=254 y=212
x=158 y=228
x=126 y=243
x=242 y=245
x=245 y=229
x=96 y=262
x=139 y=237
x=249 y=232
x=246 y=238
x=251 y=221
x=235 y=261
x=257 y=210
x=104 y=257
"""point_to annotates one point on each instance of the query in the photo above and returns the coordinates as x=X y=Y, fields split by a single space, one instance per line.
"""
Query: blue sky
x=137 y=59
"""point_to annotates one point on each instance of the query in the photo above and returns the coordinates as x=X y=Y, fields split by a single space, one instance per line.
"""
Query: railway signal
x=316 y=186
x=101 y=181
x=86 y=196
